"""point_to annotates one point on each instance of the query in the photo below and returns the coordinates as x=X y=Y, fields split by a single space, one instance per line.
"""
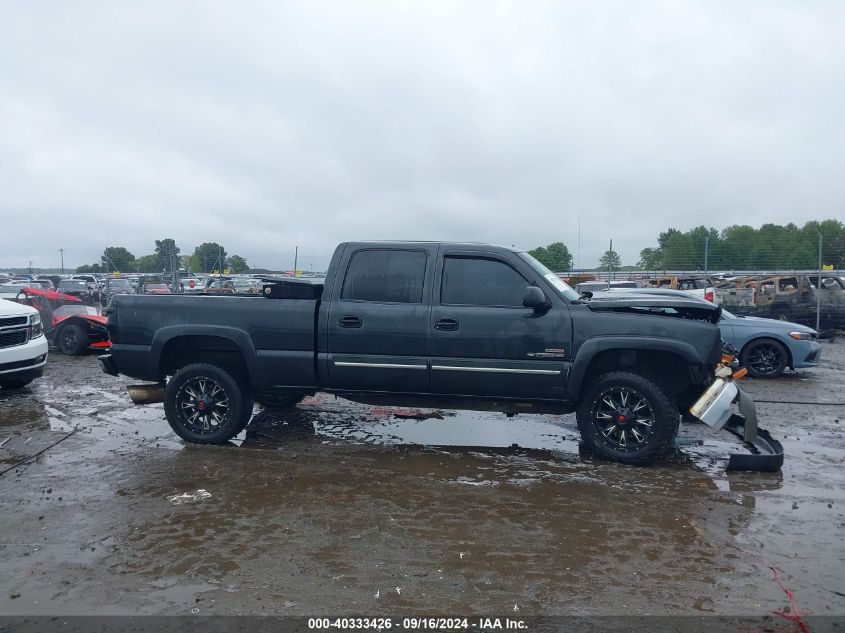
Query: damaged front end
x=715 y=408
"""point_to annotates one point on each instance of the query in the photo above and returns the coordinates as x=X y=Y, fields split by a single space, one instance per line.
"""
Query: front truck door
x=484 y=342
x=378 y=321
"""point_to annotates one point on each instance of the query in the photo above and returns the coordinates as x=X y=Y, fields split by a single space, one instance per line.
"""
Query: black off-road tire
x=758 y=367
x=178 y=399
x=664 y=415
x=72 y=339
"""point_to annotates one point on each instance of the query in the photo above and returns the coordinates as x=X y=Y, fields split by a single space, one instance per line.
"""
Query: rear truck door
x=483 y=341
x=377 y=330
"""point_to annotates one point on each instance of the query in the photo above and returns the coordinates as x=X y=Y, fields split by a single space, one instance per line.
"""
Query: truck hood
x=10 y=308
x=647 y=304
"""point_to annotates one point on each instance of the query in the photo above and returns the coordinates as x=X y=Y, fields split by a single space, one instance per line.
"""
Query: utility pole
x=104 y=301
x=172 y=255
x=30 y=267
x=579 y=243
x=220 y=265
x=706 y=252
x=610 y=263
x=62 y=251
x=819 y=286
x=295 y=259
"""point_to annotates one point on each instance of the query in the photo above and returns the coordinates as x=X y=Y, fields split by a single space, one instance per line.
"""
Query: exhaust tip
x=146 y=394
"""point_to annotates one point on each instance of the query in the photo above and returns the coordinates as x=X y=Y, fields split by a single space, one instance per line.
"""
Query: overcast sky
x=265 y=125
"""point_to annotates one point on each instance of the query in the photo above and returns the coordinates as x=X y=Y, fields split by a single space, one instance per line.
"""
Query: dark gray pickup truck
x=427 y=324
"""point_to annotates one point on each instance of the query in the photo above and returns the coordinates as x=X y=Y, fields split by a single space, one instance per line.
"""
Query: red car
x=69 y=324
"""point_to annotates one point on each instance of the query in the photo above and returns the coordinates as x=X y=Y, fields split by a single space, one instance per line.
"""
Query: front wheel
x=72 y=339
x=206 y=404
x=764 y=358
x=628 y=418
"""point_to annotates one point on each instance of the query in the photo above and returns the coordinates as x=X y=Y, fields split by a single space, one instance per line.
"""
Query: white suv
x=23 y=346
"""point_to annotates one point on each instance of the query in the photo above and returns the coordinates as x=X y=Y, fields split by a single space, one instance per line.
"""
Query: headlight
x=35 y=327
x=802 y=336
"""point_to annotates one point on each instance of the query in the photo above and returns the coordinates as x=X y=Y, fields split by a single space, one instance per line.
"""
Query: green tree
x=208 y=256
x=651 y=259
x=119 y=258
x=148 y=264
x=192 y=263
x=163 y=249
x=237 y=264
x=610 y=257
x=555 y=256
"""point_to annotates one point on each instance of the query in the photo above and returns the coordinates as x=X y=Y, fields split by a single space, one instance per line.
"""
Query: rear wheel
x=72 y=339
x=627 y=417
x=765 y=358
x=207 y=404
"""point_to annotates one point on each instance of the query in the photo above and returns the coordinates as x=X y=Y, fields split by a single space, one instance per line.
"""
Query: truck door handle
x=351 y=321
x=449 y=325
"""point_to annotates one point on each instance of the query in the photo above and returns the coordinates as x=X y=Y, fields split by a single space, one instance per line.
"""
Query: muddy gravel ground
x=338 y=508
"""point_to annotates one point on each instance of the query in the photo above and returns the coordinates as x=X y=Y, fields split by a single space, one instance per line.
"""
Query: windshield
x=73 y=285
x=68 y=310
x=563 y=289
x=120 y=283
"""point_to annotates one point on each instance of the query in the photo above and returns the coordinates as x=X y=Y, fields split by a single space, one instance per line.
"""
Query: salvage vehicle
x=23 y=347
x=699 y=286
x=69 y=325
x=220 y=287
x=767 y=347
x=598 y=286
x=438 y=324
x=54 y=279
x=248 y=286
x=94 y=285
x=155 y=289
x=78 y=288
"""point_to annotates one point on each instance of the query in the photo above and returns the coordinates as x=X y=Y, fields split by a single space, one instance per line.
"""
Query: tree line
x=737 y=247
x=206 y=258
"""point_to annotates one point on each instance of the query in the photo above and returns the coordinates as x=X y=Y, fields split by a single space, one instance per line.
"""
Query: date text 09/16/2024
x=418 y=624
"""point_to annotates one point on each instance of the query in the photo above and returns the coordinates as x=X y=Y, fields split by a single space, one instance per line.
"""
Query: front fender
x=595 y=346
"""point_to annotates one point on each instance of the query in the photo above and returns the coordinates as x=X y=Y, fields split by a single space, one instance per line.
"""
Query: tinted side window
x=385 y=276
x=481 y=282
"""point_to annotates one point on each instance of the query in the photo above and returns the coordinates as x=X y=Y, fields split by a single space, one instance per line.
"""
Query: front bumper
x=715 y=408
x=805 y=354
x=29 y=357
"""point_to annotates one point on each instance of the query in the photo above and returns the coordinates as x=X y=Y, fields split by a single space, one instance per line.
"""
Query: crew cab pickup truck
x=425 y=324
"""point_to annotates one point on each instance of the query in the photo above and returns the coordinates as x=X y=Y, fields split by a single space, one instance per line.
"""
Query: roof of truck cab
x=435 y=243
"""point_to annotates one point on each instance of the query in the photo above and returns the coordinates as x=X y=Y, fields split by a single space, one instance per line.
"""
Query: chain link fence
x=790 y=274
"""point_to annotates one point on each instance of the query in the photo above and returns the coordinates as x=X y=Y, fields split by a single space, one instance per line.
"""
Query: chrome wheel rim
x=765 y=359
x=203 y=405
x=623 y=419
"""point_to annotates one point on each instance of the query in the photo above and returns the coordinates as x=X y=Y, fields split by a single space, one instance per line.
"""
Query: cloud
x=267 y=125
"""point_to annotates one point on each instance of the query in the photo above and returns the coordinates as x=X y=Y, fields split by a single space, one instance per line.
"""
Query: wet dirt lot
x=338 y=508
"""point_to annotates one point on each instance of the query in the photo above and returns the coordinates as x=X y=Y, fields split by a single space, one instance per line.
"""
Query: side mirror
x=534 y=298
